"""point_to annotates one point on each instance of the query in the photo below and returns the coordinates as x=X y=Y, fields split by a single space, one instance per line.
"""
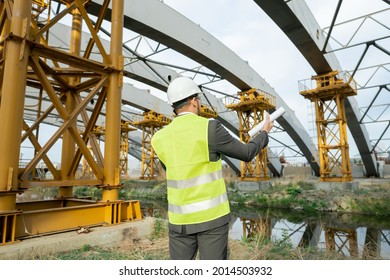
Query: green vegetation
x=88 y=192
x=371 y=199
x=303 y=196
x=378 y=206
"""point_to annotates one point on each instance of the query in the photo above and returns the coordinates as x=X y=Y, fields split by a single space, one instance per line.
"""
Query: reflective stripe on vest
x=199 y=180
x=198 y=206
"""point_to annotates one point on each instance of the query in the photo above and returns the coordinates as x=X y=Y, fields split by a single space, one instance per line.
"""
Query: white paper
x=280 y=111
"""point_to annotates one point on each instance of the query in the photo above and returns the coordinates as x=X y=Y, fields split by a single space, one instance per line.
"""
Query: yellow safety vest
x=196 y=188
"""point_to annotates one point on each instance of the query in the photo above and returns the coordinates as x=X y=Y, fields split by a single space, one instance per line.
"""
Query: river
x=358 y=236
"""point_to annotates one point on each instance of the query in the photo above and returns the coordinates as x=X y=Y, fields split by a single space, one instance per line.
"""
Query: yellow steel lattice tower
x=99 y=131
x=208 y=112
x=256 y=227
x=342 y=241
x=68 y=80
x=329 y=98
x=150 y=124
x=86 y=170
x=124 y=146
x=250 y=108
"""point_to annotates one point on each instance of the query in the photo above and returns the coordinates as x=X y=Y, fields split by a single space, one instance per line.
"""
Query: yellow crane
x=331 y=90
x=208 y=112
x=250 y=106
x=150 y=123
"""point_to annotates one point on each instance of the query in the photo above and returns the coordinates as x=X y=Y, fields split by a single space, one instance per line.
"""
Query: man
x=190 y=149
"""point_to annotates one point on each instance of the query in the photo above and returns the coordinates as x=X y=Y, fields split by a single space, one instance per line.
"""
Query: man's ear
x=193 y=101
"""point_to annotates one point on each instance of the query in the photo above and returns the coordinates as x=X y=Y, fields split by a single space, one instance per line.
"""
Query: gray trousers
x=212 y=244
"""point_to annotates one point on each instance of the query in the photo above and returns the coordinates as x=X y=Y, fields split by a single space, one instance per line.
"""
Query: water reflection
x=358 y=236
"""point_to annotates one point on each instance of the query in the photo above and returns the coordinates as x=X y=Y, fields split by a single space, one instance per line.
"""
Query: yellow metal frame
x=99 y=131
x=69 y=214
x=124 y=147
x=329 y=101
x=8 y=227
x=250 y=108
x=40 y=3
x=70 y=79
x=339 y=239
x=208 y=112
x=256 y=227
x=150 y=123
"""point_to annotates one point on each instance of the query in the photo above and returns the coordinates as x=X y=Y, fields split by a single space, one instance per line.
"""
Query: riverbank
x=362 y=196
x=367 y=197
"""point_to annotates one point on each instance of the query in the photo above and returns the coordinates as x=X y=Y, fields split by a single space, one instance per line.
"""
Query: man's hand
x=268 y=124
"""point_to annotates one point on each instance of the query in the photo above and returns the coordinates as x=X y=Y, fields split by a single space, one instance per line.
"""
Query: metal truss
x=250 y=110
x=368 y=75
x=68 y=83
x=343 y=241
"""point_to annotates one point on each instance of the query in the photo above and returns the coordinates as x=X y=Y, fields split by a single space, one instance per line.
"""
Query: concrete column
x=12 y=102
x=114 y=99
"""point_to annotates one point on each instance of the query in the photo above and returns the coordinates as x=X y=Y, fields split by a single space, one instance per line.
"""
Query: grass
x=256 y=247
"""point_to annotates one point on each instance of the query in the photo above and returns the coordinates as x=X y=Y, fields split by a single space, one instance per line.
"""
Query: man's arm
x=222 y=142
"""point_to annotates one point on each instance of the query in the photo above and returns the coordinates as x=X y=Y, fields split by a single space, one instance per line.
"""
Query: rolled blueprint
x=272 y=117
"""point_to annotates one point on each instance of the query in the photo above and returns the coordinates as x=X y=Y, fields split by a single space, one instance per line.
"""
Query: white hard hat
x=181 y=88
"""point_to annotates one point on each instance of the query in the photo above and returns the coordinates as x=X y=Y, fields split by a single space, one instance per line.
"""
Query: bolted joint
x=111 y=187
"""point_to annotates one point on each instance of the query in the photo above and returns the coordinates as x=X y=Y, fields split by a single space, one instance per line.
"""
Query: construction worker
x=190 y=149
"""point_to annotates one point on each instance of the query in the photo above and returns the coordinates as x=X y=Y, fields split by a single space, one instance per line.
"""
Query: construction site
x=81 y=100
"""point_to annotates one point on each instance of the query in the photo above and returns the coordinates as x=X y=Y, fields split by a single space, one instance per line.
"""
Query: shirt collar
x=185 y=113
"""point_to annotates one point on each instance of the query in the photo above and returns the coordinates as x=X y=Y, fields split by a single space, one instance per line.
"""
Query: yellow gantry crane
x=67 y=80
x=124 y=146
x=38 y=6
x=209 y=112
x=329 y=98
x=341 y=240
x=150 y=123
x=98 y=131
x=98 y=134
x=250 y=106
x=256 y=227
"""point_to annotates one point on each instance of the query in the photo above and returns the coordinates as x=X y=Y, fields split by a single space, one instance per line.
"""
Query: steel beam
x=113 y=105
x=71 y=214
x=68 y=143
x=14 y=74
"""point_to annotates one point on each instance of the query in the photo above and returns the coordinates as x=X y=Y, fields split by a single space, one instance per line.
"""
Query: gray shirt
x=221 y=142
